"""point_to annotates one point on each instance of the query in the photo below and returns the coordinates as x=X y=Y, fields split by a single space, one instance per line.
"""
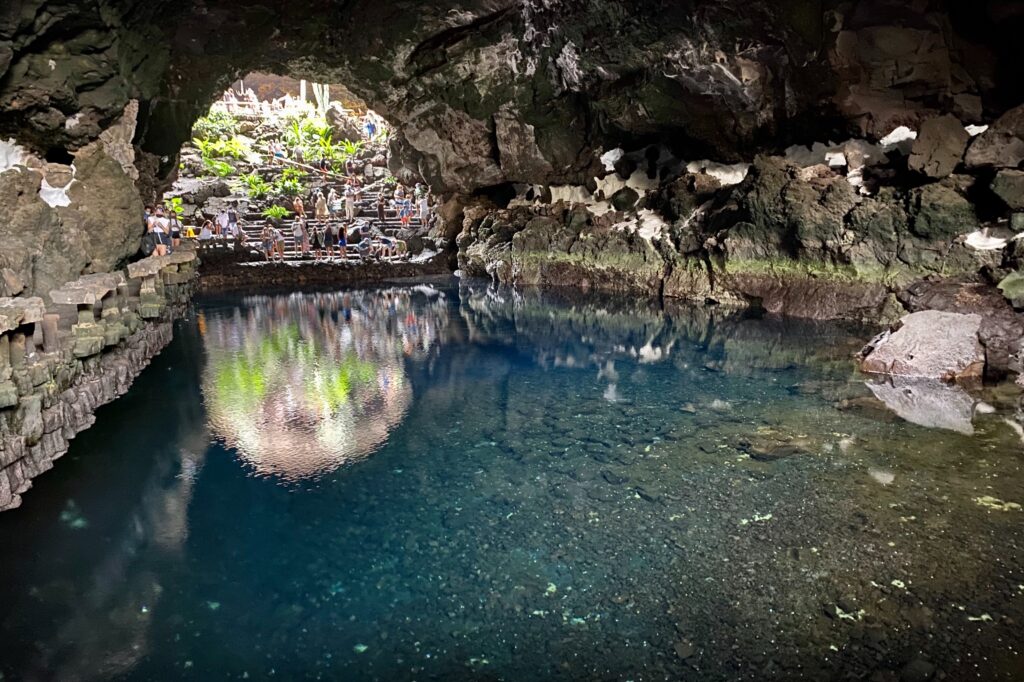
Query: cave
x=526 y=340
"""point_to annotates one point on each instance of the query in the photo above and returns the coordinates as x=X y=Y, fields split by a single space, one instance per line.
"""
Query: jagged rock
x=939 y=212
x=1009 y=186
x=930 y=345
x=939 y=147
x=1002 y=145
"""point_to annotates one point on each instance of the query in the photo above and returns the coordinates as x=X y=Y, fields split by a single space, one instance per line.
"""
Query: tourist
x=424 y=208
x=232 y=224
x=221 y=224
x=321 y=206
x=357 y=186
x=175 y=229
x=370 y=126
x=404 y=210
x=350 y=167
x=330 y=239
x=297 y=154
x=279 y=243
x=268 y=239
x=382 y=204
x=299 y=207
x=301 y=234
x=343 y=240
x=350 y=203
x=318 y=242
x=324 y=165
x=159 y=227
x=333 y=202
x=206 y=231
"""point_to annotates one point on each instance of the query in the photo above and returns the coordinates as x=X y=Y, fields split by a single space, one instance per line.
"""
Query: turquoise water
x=440 y=483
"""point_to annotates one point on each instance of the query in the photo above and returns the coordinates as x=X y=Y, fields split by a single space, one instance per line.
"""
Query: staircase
x=251 y=224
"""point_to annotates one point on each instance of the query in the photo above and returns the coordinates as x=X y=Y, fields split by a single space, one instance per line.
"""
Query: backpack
x=148 y=245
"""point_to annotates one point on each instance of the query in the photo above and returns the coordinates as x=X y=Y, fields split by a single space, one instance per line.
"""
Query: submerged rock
x=928 y=402
x=929 y=344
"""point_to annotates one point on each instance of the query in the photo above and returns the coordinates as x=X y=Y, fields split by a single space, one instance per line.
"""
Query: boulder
x=940 y=212
x=939 y=147
x=930 y=344
x=1009 y=186
x=1002 y=145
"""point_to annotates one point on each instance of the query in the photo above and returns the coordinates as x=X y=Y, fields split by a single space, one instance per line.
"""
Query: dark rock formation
x=491 y=92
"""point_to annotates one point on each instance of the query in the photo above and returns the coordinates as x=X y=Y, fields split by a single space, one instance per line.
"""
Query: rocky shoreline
x=54 y=375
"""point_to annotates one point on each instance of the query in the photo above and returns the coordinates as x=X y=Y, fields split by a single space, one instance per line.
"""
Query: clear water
x=433 y=483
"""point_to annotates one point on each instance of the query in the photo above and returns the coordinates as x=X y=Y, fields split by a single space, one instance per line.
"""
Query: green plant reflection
x=300 y=385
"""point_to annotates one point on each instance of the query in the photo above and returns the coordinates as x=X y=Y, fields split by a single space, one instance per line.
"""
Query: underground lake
x=456 y=481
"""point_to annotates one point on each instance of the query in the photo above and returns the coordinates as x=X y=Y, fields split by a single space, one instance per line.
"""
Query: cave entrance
x=289 y=169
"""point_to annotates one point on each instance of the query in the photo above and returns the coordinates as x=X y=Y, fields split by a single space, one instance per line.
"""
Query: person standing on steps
x=299 y=207
x=333 y=203
x=382 y=204
x=321 y=207
x=423 y=207
x=159 y=226
x=232 y=224
x=330 y=239
x=267 y=238
x=318 y=243
x=301 y=236
x=370 y=127
x=279 y=243
x=350 y=203
x=343 y=240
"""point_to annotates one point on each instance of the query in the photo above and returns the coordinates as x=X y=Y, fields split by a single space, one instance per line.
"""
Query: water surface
x=434 y=483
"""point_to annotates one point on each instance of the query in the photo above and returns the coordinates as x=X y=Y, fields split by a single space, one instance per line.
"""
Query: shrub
x=276 y=212
x=221 y=169
x=215 y=125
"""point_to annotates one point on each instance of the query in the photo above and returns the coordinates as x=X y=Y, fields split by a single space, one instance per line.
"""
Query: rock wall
x=50 y=393
x=63 y=220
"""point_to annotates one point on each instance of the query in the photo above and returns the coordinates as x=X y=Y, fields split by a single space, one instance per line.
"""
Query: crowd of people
x=328 y=232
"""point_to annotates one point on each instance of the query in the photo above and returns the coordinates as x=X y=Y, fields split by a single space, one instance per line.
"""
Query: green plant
x=350 y=148
x=276 y=212
x=235 y=148
x=214 y=125
x=174 y=205
x=290 y=182
x=221 y=169
x=255 y=186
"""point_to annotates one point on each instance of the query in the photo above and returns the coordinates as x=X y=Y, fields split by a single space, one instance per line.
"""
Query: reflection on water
x=300 y=385
x=534 y=487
